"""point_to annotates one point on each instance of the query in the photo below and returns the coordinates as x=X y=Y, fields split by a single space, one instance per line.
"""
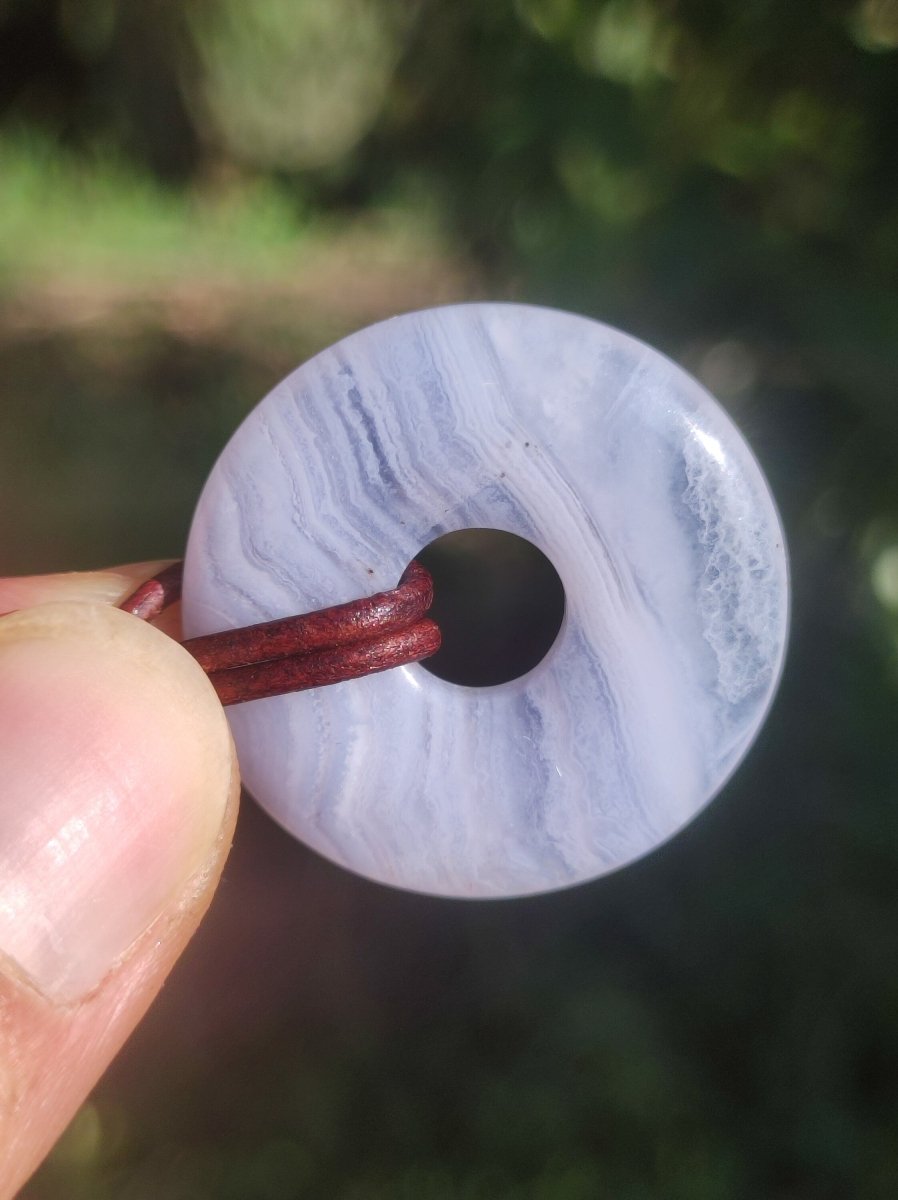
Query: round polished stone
x=624 y=472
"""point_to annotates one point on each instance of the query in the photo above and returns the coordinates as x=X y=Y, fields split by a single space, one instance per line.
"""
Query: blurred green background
x=194 y=197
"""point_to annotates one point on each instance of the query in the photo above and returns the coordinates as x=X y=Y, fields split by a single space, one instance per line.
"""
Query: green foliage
x=292 y=84
x=129 y=227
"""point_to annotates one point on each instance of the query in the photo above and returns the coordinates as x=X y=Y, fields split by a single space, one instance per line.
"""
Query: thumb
x=118 y=790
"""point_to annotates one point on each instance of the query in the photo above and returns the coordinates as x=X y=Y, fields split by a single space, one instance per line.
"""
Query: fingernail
x=117 y=772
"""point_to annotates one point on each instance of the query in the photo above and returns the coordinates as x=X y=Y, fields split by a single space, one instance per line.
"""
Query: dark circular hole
x=499 y=604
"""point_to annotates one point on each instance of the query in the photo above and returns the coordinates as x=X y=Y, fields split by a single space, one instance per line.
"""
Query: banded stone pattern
x=624 y=472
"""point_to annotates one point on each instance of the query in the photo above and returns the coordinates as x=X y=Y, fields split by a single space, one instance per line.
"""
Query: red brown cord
x=329 y=627
x=375 y=633
x=152 y=597
x=336 y=664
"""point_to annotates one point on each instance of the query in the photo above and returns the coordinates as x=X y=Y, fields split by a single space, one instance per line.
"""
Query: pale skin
x=118 y=796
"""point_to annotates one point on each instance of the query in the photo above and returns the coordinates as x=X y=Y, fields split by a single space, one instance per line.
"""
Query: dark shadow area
x=499 y=604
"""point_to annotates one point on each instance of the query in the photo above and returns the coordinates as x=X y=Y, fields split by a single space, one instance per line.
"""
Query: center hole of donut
x=499 y=604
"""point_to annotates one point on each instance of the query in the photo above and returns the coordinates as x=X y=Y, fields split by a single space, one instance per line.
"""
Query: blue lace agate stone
x=634 y=483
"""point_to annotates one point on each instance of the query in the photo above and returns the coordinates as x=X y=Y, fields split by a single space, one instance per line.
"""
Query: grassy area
x=60 y=215
x=63 y=216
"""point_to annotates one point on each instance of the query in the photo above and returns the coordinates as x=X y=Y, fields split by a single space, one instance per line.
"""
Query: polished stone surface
x=617 y=465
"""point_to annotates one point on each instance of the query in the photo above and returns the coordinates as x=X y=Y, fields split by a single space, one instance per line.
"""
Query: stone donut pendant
x=624 y=472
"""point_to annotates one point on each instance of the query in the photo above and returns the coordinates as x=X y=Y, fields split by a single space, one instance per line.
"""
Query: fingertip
x=116 y=816
x=119 y=792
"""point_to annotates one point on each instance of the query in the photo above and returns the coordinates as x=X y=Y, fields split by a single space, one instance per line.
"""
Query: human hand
x=118 y=796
